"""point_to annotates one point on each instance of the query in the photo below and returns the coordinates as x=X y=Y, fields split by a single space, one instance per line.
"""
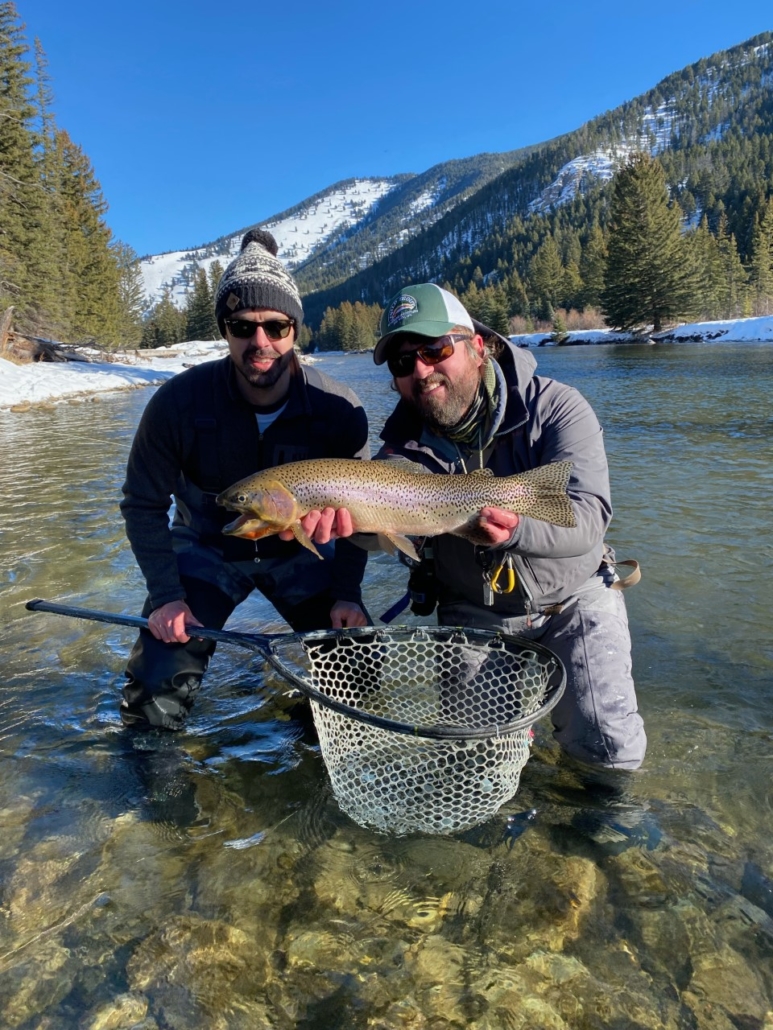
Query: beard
x=444 y=411
x=272 y=375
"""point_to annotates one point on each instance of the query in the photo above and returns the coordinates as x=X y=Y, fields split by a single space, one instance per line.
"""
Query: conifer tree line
x=60 y=268
x=638 y=263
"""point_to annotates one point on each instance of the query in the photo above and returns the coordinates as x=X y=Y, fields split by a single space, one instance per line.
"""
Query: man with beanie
x=201 y=432
x=462 y=409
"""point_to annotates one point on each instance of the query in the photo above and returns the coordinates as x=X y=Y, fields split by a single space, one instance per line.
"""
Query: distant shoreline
x=739 y=330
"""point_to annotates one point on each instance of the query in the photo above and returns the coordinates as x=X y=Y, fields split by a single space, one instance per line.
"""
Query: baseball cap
x=425 y=309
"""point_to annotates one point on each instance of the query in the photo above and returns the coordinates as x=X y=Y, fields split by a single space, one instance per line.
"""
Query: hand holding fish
x=168 y=622
x=498 y=525
x=323 y=526
x=396 y=499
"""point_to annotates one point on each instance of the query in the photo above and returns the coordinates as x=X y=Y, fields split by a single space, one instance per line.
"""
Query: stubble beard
x=272 y=375
x=445 y=411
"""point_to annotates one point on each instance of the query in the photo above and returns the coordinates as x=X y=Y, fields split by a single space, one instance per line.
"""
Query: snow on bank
x=739 y=330
x=577 y=337
x=44 y=381
x=742 y=330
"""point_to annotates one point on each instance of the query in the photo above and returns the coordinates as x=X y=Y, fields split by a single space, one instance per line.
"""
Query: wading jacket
x=538 y=420
x=198 y=436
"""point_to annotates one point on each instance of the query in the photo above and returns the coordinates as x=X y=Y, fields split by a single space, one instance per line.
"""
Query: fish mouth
x=248 y=527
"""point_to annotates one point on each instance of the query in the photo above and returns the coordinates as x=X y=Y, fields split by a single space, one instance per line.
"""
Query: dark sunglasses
x=274 y=328
x=431 y=353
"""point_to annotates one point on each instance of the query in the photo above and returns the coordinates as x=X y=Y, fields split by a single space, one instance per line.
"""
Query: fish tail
x=551 y=502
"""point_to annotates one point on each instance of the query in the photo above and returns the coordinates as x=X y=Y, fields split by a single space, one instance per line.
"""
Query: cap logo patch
x=233 y=302
x=404 y=306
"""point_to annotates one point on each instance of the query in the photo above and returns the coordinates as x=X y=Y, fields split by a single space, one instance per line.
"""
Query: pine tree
x=165 y=324
x=46 y=257
x=215 y=274
x=517 y=298
x=19 y=185
x=593 y=265
x=131 y=294
x=546 y=274
x=200 y=310
x=92 y=280
x=735 y=291
x=329 y=334
x=710 y=271
x=649 y=278
x=761 y=262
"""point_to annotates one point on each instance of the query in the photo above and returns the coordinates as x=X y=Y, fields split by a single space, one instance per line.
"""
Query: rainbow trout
x=395 y=498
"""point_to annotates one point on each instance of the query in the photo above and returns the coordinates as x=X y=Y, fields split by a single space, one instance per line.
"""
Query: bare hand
x=168 y=622
x=498 y=524
x=345 y=614
x=324 y=526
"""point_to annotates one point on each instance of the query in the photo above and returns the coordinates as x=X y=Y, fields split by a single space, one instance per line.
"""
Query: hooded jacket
x=537 y=420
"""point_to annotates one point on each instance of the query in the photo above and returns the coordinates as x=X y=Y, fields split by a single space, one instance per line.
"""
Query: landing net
x=426 y=728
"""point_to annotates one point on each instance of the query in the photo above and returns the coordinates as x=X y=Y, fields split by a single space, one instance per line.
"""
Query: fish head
x=266 y=507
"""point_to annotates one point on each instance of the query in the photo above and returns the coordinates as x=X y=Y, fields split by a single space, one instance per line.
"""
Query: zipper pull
x=527 y=606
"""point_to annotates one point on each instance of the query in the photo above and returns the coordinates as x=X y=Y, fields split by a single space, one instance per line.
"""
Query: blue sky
x=201 y=118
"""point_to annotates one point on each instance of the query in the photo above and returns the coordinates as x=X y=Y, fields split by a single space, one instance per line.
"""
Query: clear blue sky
x=202 y=117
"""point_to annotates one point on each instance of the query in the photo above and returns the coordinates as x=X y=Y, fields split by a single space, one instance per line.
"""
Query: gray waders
x=596 y=721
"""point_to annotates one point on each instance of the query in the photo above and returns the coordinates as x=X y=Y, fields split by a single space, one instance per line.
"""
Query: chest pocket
x=282 y=453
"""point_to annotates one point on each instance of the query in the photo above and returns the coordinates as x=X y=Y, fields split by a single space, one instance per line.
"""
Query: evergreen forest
x=61 y=271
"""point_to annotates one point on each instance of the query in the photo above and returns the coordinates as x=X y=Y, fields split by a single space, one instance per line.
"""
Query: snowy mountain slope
x=299 y=232
x=696 y=120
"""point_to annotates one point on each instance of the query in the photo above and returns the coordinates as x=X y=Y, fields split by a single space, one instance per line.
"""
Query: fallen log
x=36 y=348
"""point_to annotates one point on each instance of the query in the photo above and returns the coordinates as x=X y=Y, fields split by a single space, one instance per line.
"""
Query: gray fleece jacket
x=538 y=420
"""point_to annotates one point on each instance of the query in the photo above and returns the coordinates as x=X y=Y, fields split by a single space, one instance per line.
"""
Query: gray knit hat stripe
x=256 y=278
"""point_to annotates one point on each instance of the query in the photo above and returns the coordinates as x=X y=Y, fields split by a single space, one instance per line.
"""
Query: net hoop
x=278 y=652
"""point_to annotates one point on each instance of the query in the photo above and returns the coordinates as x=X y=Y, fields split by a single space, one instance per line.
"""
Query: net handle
x=266 y=644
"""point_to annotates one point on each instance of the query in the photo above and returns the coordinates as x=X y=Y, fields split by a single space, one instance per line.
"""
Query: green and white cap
x=425 y=309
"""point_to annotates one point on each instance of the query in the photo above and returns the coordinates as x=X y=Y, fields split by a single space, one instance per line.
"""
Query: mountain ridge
x=434 y=224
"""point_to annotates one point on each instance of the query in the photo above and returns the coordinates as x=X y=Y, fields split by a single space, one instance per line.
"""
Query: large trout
x=395 y=498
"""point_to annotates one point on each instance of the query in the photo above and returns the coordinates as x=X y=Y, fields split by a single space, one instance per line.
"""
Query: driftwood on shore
x=24 y=347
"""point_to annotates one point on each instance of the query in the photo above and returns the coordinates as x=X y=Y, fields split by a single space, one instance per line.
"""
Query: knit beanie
x=256 y=278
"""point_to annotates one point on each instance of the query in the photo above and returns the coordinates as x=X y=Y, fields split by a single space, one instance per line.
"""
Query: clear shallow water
x=209 y=879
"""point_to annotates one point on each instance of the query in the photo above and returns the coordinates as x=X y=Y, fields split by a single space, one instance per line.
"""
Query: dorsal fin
x=480 y=472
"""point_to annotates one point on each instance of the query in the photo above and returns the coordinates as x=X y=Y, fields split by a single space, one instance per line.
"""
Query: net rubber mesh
x=448 y=721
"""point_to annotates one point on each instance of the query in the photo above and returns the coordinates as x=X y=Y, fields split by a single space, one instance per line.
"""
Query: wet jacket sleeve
x=152 y=472
x=570 y=431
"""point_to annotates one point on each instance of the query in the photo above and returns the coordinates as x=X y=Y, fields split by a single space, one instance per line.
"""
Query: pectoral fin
x=303 y=538
x=392 y=543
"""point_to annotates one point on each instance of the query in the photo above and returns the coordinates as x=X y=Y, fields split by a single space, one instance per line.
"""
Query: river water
x=209 y=879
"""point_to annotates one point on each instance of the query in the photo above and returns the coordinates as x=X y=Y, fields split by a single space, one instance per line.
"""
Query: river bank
x=23 y=386
x=739 y=330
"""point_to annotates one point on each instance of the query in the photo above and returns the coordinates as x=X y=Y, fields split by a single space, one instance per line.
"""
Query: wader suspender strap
x=205 y=424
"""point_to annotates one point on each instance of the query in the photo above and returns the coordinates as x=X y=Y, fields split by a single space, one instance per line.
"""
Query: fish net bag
x=426 y=729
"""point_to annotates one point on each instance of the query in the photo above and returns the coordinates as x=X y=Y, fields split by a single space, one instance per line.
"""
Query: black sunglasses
x=431 y=353
x=274 y=328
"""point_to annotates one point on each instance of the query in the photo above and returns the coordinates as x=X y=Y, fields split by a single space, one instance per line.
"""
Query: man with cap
x=201 y=432
x=462 y=409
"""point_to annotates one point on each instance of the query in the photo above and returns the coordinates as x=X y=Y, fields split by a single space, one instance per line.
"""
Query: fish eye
x=241 y=498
